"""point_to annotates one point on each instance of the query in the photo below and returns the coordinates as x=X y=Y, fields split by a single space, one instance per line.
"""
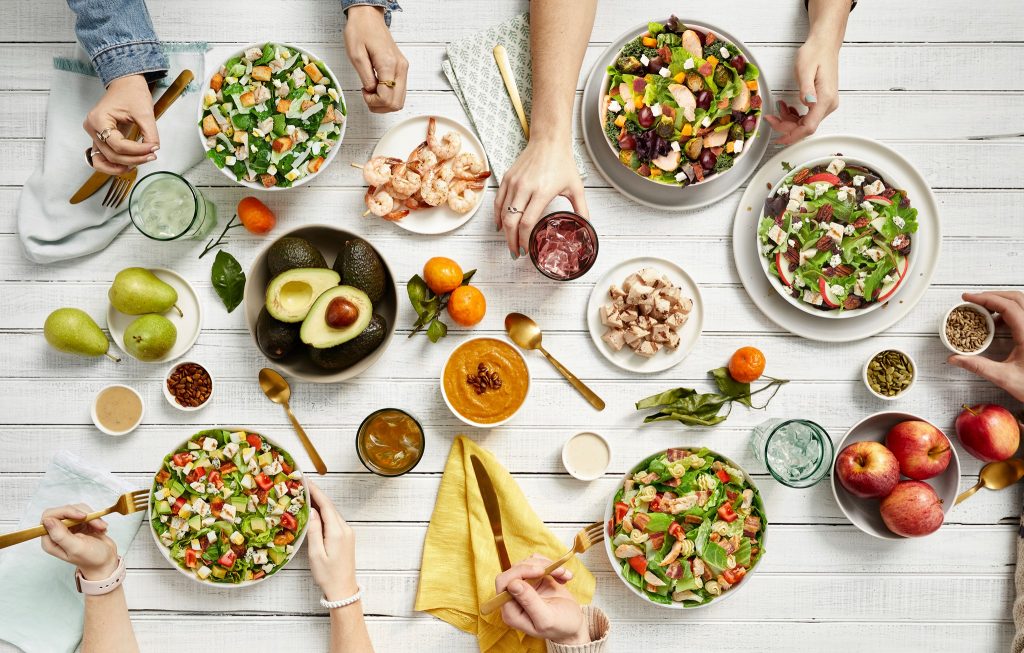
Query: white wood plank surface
x=822 y=586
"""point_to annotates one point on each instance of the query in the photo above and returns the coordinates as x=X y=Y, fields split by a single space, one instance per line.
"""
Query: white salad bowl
x=781 y=287
x=341 y=101
x=166 y=552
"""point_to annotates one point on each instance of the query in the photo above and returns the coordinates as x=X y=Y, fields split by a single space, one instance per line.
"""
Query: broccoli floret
x=633 y=128
x=724 y=162
x=636 y=48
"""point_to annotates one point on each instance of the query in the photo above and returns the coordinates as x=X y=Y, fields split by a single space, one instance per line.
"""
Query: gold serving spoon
x=525 y=333
x=279 y=392
x=996 y=476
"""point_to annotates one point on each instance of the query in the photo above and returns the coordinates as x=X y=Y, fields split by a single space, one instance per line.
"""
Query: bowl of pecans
x=189 y=386
x=967 y=329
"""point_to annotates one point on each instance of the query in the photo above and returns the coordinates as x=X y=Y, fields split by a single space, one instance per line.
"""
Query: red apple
x=867 y=469
x=989 y=432
x=921 y=449
x=912 y=509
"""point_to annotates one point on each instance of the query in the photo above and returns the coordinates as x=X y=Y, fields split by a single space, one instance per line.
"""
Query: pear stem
x=180 y=314
x=112 y=357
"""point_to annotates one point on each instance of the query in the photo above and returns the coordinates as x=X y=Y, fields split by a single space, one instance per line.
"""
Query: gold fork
x=128 y=503
x=586 y=538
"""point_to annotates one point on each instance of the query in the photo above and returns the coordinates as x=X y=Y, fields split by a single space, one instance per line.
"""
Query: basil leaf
x=228 y=280
x=436 y=330
x=730 y=386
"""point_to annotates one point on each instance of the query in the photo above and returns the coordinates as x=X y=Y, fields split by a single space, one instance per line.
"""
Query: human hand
x=126 y=101
x=1008 y=374
x=332 y=548
x=376 y=58
x=543 y=171
x=549 y=611
x=86 y=546
x=817 y=72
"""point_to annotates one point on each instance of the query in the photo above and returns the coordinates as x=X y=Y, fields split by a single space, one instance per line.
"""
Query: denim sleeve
x=387 y=5
x=119 y=38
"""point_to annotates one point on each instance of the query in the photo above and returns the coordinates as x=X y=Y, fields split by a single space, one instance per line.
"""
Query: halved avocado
x=348 y=354
x=338 y=315
x=291 y=294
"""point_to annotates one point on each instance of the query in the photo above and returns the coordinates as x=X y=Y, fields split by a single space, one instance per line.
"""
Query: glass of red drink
x=563 y=246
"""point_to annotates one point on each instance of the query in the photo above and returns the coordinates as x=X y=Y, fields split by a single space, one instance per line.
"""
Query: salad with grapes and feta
x=271 y=115
x=837 y=235
x=681 y=104
x=229 y=506
x=686 y=527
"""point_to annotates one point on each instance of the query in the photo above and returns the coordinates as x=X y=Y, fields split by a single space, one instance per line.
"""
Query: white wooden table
x=822 y=586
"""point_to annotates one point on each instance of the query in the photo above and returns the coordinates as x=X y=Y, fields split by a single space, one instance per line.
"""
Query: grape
x=627 y=142
x=739 y=63
x=645 y=117
x=749 y=123
x=704 y=100
x=655 y=64
x=707 y=159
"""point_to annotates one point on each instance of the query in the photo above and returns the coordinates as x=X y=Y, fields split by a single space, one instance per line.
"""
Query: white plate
x=401 y=140
x=927 y=240
x=188 y=325
x=665 y=358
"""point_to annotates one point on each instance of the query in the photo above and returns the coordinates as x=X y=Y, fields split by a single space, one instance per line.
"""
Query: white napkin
x=51 y=229
x=42 y=611
x=476 y=80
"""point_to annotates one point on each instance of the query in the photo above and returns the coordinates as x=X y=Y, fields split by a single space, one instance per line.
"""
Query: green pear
x=150 y=337
x=72 y=331
x=137 y=291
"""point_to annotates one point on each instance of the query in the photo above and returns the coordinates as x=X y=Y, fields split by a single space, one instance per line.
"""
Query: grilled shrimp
x=463 y=195
x=469 y=166
x=434 y=190
x=444 y=147
x=405 y=181
x=377 y=170
x=422 y=160
x=379 y=201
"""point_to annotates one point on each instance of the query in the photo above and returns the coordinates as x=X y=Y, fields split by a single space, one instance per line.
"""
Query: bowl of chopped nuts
x=189 y=386
x=967 y=329
x=889 y=374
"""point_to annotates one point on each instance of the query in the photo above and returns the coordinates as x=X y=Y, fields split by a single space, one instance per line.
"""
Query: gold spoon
x=278 y=391
x=525 y=333
x=996 y=476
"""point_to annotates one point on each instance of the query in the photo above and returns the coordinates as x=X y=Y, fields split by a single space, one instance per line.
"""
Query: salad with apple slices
x=837 y=235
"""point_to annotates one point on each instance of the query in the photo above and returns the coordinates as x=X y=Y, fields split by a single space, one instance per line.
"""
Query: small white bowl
x=990 y=324
x=571 y=469
x=913 y=374
x=174 y=402
x=96 y=419
x=444 y=393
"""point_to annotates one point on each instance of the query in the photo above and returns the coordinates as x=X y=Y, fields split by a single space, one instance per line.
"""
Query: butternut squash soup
x=485 y=381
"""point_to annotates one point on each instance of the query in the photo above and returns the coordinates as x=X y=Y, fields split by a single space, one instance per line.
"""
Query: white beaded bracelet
x=330 y=605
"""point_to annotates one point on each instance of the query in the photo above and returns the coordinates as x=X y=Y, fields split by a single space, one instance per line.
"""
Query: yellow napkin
x=460 y=560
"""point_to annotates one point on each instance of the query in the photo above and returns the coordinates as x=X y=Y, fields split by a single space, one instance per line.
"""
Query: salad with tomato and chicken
x=681 y=104
x=686 y=527
x=837 y=235
x=229 y=506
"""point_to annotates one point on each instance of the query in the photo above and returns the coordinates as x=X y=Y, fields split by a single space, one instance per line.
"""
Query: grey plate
x=647 y=192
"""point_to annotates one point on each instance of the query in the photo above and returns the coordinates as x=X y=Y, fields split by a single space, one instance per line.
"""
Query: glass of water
x=164 y=206
x=797 y=452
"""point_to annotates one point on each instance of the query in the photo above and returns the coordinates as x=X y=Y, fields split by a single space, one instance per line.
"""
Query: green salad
x=271 y=115
x=229 y=506
x=837 y=235
x=687 y=527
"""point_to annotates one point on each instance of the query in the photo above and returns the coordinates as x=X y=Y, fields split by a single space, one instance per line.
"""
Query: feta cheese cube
x=838 y=290
x=680 y=176
x=850 y=230
x=656 y=110
x=259 y=556
x=724 y=51
x=858 y=180
x=688 y=64
x=821 y=188
x=614 y=106
x=665 y=72
x=835 y=260
x=644 y=59
x=899 y=222
x=799 y=282
x=204 y=572
x=797 y=225
x=783 y=190
x=777 y=234
x=161 y=494
x=797 y=193
x=836 y=166
x=793 y=205
x=737 y=147
x=675 y=146
x=267 y=568
x=211 y=537
x=272 y=170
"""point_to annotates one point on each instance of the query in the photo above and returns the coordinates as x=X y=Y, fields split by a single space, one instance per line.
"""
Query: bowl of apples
x=895 y=476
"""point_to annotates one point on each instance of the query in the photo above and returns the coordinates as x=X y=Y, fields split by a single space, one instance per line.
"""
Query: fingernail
x=522 y=251
x=514 y=255
x=568 y=575
x=150 y=158
x=810 y=98
x=155 y=148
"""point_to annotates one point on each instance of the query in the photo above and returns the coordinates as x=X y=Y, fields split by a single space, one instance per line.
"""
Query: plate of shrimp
x=427 y=175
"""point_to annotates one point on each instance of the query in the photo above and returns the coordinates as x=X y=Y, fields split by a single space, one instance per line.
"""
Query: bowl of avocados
x=321 y=303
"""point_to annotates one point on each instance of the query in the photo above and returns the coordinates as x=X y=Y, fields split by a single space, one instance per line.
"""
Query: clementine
x=467 y=306
x=746 y=364
x=256 y=216
x=442 y=275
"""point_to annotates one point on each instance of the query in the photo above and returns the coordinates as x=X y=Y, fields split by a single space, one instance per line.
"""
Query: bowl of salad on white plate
x=228 y=507
x=272 y=116
x=685 y=528
x=835 y=237
x=680 y=104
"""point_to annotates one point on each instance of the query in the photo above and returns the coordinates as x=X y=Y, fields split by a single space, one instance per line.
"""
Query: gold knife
x=490 y=498
x=501 y=58
x=173 y=92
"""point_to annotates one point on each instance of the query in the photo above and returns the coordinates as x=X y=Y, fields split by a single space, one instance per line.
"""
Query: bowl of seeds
x=189 y=386
x=968 y=329
x=889 y=374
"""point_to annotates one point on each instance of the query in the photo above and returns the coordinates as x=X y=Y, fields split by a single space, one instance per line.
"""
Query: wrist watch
x=100 y=587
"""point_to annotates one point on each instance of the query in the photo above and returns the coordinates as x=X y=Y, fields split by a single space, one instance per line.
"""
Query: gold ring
x=89 y=154
x=513 y=210
x=390 y=83
x=104 y=135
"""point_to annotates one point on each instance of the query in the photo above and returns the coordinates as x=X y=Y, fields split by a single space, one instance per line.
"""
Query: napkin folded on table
x=474 y=76
x=49 y=227
x=42 y=611
x=459 y=556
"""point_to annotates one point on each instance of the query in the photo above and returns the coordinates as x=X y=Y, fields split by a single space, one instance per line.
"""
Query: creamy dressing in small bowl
x=117 y=410
x=586 y=456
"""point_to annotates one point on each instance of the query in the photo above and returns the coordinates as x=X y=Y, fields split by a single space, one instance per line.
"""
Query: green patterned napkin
x=474 y=76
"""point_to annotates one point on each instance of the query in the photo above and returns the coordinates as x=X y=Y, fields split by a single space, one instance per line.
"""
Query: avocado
x=337 y=316
x=277 y=554
x=291 y=293
x=277 y=339
x=293 y=252
x=353 y=351
x=360 y=266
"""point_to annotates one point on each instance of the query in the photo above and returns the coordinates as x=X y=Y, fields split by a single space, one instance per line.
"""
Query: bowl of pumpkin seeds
x=889 y=374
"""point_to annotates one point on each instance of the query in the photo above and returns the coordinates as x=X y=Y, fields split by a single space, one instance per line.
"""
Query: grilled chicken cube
x=636 y=334
x=610 y=316
x=676 y=319
x=629 y=315
x=615 y=292
x=639 y=293
x=659 y=333
x=630 y=281
x=673 y=340
x=616 y=338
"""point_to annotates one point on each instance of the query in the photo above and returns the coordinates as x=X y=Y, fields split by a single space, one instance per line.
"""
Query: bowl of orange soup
x=485 y=381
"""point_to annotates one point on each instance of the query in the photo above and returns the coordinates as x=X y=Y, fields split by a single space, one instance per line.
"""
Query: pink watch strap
x=104 y=586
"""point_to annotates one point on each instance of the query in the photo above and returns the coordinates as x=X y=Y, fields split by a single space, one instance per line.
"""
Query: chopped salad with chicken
x=837 y=235
x=687 y=527
x=229 y=506
x=271 y=115
x=681 y=104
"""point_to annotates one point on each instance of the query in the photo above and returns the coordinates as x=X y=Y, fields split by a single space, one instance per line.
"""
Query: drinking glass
x=563 y=246
x=165 y=206
x=389 y=442
x=797 y=452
